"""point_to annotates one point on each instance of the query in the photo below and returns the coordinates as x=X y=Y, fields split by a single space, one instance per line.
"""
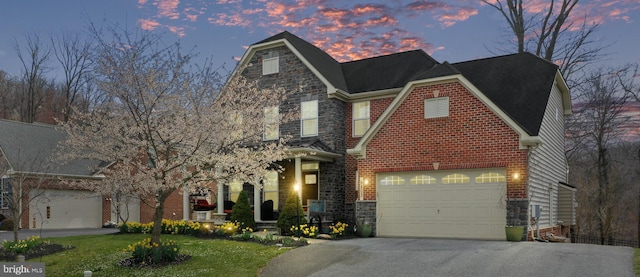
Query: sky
x=450 y=31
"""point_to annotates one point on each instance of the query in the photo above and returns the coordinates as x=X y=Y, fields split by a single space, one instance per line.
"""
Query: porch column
x=185 y=203
x=299 y=176
x=220 y=201
x=256 y=203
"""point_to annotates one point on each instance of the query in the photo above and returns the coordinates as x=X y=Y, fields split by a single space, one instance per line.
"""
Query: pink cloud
x=222 y=19
x=177 y=30
x=462 y=14
x=168 y=8
x=148 y=24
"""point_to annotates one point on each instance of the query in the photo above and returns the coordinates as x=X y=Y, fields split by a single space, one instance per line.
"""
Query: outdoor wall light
x=516 y=176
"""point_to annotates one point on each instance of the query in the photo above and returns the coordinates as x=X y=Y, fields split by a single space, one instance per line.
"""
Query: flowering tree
x=168 y=125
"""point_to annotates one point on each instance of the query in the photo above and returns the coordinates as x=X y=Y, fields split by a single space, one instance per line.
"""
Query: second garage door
x=63 y=209
x=443 y=204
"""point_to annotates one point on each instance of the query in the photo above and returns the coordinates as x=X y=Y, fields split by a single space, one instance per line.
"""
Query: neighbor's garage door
x=61 y=209
x=443 y=204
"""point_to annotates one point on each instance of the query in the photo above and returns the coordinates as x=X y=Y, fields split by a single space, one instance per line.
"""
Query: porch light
x=516 y=176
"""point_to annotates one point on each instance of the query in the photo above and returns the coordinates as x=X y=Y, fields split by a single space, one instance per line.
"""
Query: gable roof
x=386 y=72
x=320 y=60
x=520 y=84
x=29 y=148
x=516 y=87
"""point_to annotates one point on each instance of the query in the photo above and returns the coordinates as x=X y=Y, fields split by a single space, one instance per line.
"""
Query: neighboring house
x=28 y=165
x=416 y=147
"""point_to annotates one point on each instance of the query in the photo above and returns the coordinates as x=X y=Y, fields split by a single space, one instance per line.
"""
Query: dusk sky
x=222 y=29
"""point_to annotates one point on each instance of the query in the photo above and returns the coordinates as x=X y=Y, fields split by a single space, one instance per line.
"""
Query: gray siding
x=566 y=208
x=547 y=162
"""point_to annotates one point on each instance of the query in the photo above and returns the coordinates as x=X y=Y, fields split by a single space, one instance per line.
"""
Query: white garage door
x=65 y=209
x=442 y=204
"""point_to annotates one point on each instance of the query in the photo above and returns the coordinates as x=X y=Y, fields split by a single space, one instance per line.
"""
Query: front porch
x=303 y=170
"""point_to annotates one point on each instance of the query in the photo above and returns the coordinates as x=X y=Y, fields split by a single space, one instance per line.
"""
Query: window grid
x=5 y=192
x=423 y=180
x=455 y=179
x=392 y=181
x=491 y=177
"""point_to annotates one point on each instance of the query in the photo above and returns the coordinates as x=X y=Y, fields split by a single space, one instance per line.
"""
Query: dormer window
x=271 y=63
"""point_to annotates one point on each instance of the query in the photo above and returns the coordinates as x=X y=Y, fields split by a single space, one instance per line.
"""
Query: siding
x=566 y=200
x=548 y=163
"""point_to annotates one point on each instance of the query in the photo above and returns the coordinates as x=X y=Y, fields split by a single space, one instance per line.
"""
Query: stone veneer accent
x=303 y=85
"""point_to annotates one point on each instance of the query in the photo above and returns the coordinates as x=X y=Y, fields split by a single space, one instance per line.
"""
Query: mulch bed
x=131 y=262
x=40 y=250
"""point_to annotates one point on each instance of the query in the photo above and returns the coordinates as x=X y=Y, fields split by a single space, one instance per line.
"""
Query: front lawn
x=209 y=257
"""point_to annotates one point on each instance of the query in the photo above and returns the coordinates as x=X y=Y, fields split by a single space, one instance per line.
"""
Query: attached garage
x=64 y=209
x=442 y=204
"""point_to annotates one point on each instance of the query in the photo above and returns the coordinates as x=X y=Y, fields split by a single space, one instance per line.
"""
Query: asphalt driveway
x=439 y=257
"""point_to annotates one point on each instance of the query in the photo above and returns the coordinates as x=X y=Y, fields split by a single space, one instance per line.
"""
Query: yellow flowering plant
x=23 y=246
x=337 y=230
x=145 y=252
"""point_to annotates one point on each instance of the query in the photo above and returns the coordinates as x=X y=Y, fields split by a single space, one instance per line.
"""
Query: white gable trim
x=564 y=91
x=359 y=151
x=283 y=42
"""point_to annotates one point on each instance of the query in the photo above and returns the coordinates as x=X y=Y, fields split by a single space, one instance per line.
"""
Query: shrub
x=173 y=227
x=146 y=253
x=7 y=225
x=242 y=212
x=289 y=215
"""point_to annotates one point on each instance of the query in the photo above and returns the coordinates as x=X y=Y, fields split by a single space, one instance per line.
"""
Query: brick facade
x=472 y=136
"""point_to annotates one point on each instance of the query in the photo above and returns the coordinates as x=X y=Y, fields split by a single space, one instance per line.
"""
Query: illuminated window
x=491 y=177
x=455 y=179
x=423 y=180
x=270 y=188
x=392 y=181
x=235 y=187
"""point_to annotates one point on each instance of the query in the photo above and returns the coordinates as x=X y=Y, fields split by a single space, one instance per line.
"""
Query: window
x=491 y=177
x=436 y=107
x=309 y=118
x=391 y=181
x=235 y=187
x=423 y=180
x=270 y=63
x=270 y=188
x=5 y=192
x=310 y=166
x=271 y=127
x=360 y=118
x=455 y=179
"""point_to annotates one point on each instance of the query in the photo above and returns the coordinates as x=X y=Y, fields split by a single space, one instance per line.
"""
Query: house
x=28 y=165
x=417 y=147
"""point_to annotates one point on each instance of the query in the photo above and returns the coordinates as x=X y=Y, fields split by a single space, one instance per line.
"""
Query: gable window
x=491 y=177
x=309 y=118
x=392 y=181
x=271 y=127
x=436 y=107
x=455 y=179
x=270 y=189
x=5 y=192
x=270 y=63
x=360 y=118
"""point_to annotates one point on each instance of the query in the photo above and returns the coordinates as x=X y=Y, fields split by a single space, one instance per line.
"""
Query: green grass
x=210 y=257
x=636 y=261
